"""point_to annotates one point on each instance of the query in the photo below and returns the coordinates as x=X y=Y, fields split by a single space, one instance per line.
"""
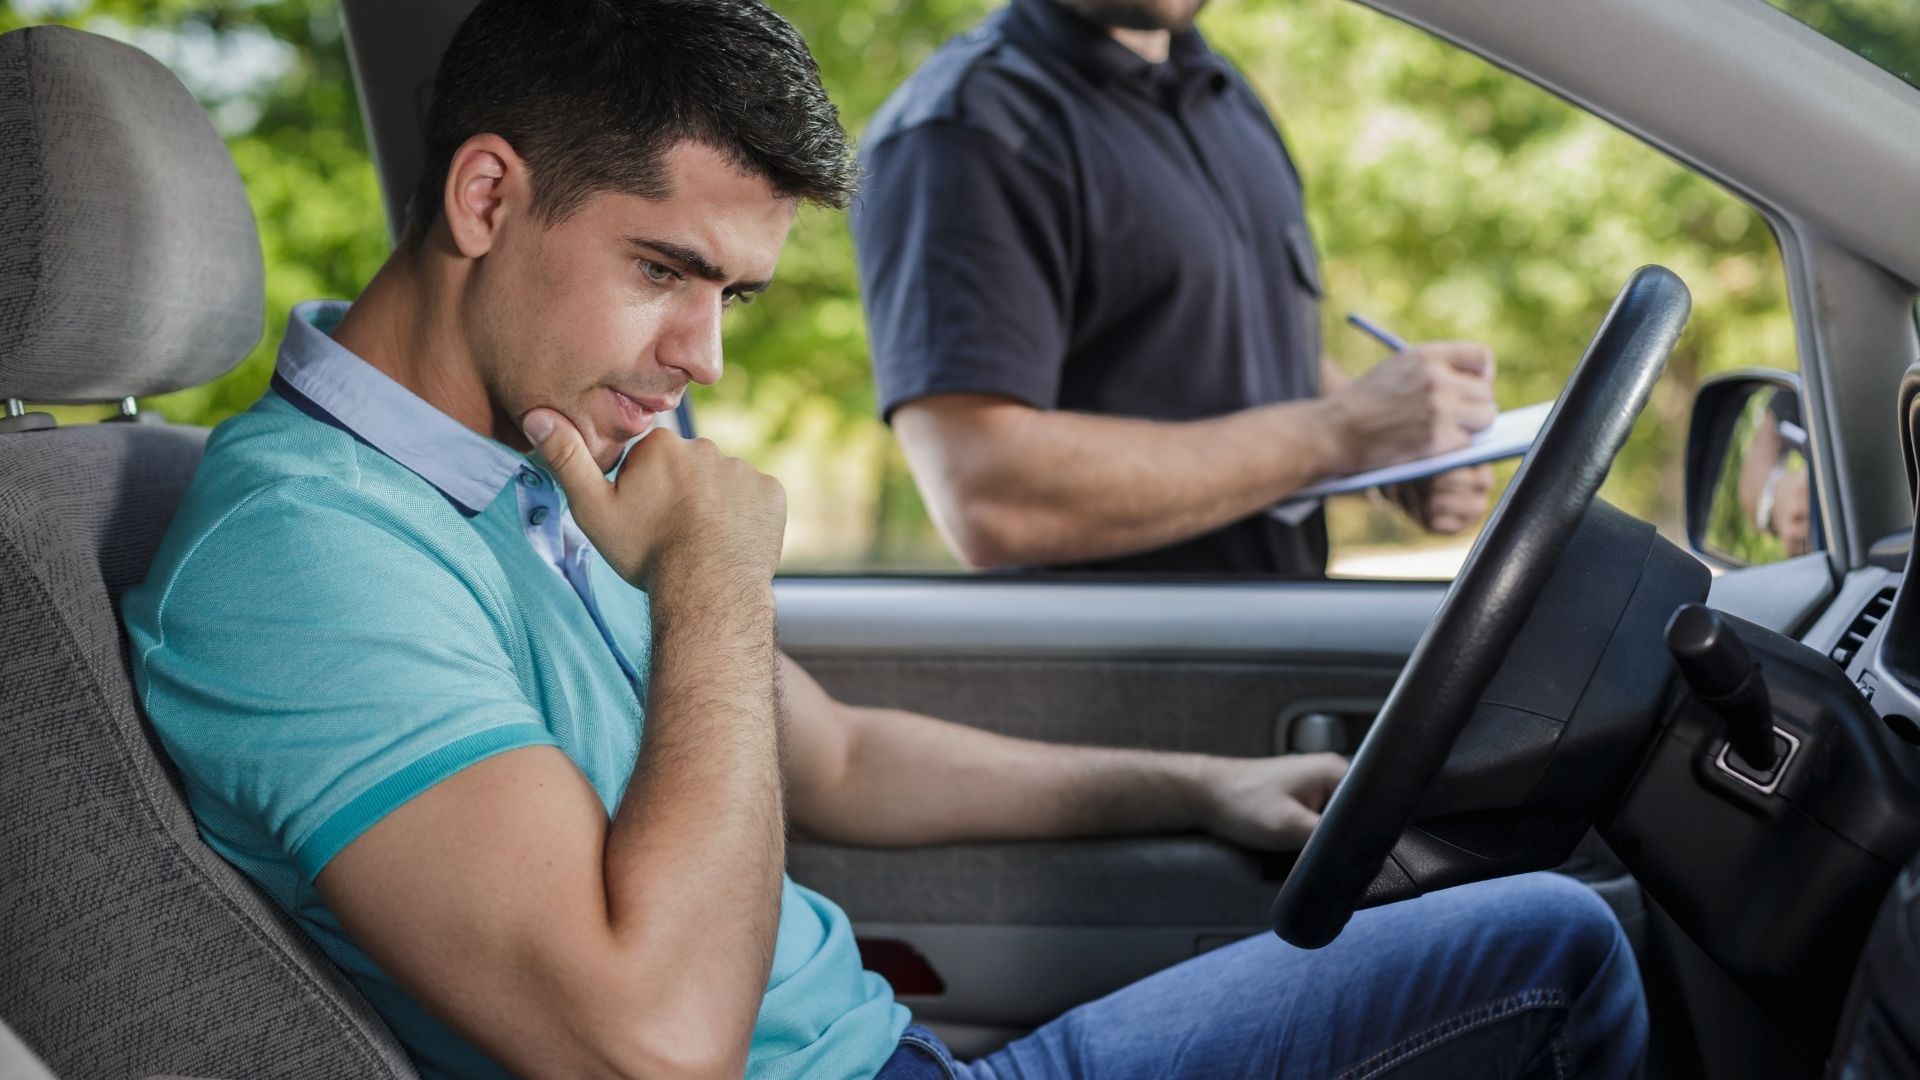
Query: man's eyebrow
x=695 y=262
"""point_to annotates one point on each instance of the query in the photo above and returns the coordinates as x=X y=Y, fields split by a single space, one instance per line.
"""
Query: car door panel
x=1216 y=707
x=1006 y=617
x=1017 y=933
x=1004 y=980
x=1157 y=881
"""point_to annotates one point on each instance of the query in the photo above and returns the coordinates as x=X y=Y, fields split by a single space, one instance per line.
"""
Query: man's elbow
x=986 y=535
x=973 y=460
x=628 y=1018
x=667 y=1046
x=683 y=1058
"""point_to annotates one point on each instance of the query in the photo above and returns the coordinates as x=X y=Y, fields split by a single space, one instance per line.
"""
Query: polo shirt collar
x=1091 y=49
x=325 y=380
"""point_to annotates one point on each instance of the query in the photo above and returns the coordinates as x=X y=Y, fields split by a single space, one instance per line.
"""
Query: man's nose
x=692 y=343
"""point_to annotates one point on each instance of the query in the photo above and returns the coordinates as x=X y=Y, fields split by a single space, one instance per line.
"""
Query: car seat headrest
x=129 y=262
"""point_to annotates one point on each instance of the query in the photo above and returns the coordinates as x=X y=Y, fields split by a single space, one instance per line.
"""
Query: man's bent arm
x=565 y=944
x=1010 y=485
x=888 y=778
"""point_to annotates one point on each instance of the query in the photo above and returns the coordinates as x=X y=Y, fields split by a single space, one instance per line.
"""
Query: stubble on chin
x=1174 y=15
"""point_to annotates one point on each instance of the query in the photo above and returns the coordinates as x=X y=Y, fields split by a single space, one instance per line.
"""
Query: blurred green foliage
x=1731 y=532
x=1450 y=200
x=1886 y=32
x=295 y=135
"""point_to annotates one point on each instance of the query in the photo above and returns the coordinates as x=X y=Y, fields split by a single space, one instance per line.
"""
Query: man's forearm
x=1027 y=486
x=912 y=779
x=698 y=840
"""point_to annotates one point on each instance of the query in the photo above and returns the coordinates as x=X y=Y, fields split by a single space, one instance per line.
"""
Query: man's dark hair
x=592 y=93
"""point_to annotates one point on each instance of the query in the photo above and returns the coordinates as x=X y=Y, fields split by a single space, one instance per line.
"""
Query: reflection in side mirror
x=1750 y=490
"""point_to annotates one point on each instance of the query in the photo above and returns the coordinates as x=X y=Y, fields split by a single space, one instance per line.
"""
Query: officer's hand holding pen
x=1424 y=399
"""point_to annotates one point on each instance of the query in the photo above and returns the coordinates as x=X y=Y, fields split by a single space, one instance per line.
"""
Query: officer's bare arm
x=1011 y=485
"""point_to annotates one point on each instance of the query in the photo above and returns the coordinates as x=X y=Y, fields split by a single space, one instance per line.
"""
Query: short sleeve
x=966 y=250
x=311 y=664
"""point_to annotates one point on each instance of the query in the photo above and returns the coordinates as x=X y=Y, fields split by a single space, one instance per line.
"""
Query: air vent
x=1862 y=628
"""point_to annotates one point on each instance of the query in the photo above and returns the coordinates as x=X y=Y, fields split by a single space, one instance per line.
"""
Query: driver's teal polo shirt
x=360 y=597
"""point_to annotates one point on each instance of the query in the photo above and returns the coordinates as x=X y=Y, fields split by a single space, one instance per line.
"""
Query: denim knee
x=1566 y=917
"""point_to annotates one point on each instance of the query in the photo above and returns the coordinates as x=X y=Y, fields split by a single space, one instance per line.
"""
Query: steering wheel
x=1347 y=857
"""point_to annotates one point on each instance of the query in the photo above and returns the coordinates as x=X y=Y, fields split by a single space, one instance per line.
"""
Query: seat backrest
x=129 y=265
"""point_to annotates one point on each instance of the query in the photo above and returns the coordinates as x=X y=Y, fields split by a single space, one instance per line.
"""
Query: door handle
x=1324 y=726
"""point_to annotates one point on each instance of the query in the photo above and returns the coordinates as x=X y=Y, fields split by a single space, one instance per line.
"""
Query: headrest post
x=130 y=414
x=19 y=419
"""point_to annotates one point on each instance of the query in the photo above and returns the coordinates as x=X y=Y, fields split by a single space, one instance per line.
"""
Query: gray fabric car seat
x=129 y=265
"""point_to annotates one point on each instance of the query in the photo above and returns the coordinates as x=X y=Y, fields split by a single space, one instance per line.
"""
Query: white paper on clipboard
x=1511 y=435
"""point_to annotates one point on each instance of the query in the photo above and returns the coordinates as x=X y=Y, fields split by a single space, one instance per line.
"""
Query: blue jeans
x=1521 y=977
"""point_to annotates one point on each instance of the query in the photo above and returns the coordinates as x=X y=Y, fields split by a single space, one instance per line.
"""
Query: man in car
x=514 y=742
x=1094 y=309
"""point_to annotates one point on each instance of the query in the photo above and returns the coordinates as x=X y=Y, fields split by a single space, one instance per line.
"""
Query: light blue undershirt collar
x=468 y=468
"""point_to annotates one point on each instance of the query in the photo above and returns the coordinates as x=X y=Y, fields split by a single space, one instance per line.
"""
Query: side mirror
x=1750 y=491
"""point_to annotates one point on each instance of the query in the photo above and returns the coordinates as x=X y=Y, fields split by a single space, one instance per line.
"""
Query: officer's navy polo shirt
x=1049 y=217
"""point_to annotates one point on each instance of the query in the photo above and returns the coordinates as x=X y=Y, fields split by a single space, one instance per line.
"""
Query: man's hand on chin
x=1268 y=804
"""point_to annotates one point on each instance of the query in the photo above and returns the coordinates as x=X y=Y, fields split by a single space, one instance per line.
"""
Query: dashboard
x=1872 y=627
x=1853 y=634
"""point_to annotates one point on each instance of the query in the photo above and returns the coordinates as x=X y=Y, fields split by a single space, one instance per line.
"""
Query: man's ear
x=486 y=181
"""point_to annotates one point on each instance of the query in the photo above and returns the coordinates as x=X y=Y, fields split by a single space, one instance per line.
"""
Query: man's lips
x=637 y=414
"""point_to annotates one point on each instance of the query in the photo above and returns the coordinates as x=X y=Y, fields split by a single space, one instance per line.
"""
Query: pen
x=1377 y=332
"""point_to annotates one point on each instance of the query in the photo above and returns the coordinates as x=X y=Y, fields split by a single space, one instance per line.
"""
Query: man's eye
x=657 y=273
x=732 y=298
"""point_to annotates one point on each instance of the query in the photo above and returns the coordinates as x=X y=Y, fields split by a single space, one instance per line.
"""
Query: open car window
x=1886 y=32
x=1448 y=198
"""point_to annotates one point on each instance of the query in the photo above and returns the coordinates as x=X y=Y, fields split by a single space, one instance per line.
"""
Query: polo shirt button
x=538 y=516
x=531 y=478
